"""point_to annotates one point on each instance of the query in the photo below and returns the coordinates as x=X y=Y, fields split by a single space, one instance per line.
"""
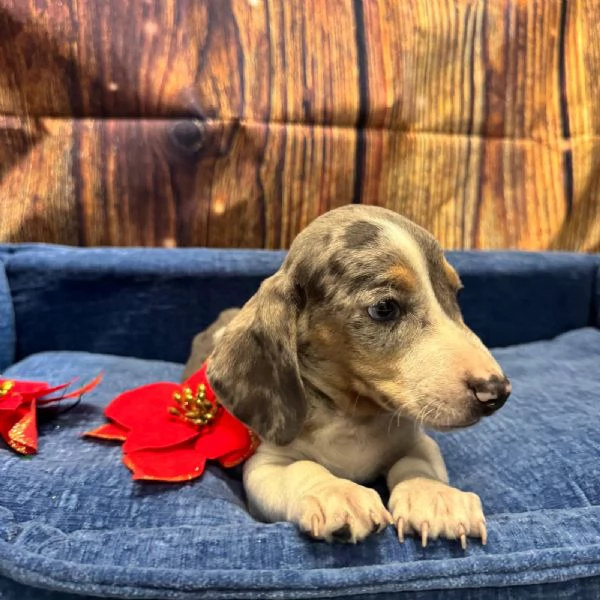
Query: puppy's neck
x=347 y=401
x=356 y=404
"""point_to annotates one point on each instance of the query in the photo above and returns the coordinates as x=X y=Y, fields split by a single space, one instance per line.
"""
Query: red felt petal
x=11 y=402
x=44 y=399
x=22 y=436
x=109 y=431
x=178 y=463
x=233 y=458
x=198 y=378
x=31 y=390
x=39 y=393
x=161 y=431
x=7 y=420
x=239 y=456
x=227 y=434
x=88 y=387
x=131 y=409
x=27 y=388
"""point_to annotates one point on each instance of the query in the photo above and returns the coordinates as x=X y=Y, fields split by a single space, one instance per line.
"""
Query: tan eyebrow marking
x=405 y=276
x=452 y=275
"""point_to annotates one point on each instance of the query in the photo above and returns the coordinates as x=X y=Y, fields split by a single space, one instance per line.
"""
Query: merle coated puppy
x=340 y=362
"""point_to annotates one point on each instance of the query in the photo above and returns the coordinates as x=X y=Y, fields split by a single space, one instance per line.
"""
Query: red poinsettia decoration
x=170 y=430
x=19 y=401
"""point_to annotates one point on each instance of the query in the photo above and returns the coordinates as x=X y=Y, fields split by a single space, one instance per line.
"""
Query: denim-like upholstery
x=72 y=520
x=148 y=302
x=135 y=302
x=7 y=321
x=596 y=309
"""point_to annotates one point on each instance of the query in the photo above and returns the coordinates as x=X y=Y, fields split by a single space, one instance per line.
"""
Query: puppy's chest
x=360 y=451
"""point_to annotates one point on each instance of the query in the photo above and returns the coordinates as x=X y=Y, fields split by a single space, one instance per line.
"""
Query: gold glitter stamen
x=194 y=407
x=17 y=437
x=20 y=448
x=6 y=387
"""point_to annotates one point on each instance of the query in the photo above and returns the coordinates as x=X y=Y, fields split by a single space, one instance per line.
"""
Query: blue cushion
x=517 y=297
x=149 y=303
x=146 y=303
x=71 y=518
x=596 y=308
x=7 y=321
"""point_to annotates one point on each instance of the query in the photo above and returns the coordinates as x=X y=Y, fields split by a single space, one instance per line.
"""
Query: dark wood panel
x=581 y=230
x=237 y=122
x=166 y=183
x=37 y=196
x=581 y=69
x=232 y=59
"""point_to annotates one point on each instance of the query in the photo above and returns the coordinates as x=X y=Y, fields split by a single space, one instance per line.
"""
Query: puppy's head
x=363 y=312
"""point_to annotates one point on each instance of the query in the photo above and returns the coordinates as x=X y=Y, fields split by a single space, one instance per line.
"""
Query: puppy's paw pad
x=341 y=511
x=431 y=509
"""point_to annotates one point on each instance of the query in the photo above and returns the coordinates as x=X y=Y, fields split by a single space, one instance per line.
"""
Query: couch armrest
x=520 y=297
x=7 y=320
x=596 y=293
x=149 y=303
x=146 y=303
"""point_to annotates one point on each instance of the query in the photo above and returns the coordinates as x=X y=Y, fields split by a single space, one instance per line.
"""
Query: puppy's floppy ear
x=254 y=368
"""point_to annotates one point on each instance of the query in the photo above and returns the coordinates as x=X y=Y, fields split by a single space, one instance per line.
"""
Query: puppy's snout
x=491 y=393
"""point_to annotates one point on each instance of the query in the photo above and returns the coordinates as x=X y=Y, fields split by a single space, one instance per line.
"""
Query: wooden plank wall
x=236 y=122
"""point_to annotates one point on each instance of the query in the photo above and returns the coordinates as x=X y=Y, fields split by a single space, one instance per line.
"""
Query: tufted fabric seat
x=73 y=523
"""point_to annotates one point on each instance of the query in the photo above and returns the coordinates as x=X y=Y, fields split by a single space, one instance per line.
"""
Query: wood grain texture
x=234 y=123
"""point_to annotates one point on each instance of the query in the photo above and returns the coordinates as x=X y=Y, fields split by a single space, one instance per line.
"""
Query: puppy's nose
x=491 y=393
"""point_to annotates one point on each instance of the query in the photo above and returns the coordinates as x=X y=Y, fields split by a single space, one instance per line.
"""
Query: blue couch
x=73 y=523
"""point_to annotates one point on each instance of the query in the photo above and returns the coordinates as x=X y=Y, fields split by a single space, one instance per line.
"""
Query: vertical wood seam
x=363 y=101
x=564 y=111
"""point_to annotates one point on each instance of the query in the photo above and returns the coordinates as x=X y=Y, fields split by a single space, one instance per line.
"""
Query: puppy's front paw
x=340 y=511
x=434 y=509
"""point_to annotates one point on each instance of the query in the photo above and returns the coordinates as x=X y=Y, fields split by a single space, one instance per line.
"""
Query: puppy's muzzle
x=490 y=394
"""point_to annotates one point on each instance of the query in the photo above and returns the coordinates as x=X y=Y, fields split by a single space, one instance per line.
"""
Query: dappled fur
x=335 y=394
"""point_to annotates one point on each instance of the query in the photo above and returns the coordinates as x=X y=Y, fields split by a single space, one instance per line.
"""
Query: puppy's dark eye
x=386 y=310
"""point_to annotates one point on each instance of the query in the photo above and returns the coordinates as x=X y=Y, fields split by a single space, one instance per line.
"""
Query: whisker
x=428 y=409
x=396 y=414
x=392 y=416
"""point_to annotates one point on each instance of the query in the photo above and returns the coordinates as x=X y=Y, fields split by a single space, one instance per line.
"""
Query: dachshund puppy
x=339 y=362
